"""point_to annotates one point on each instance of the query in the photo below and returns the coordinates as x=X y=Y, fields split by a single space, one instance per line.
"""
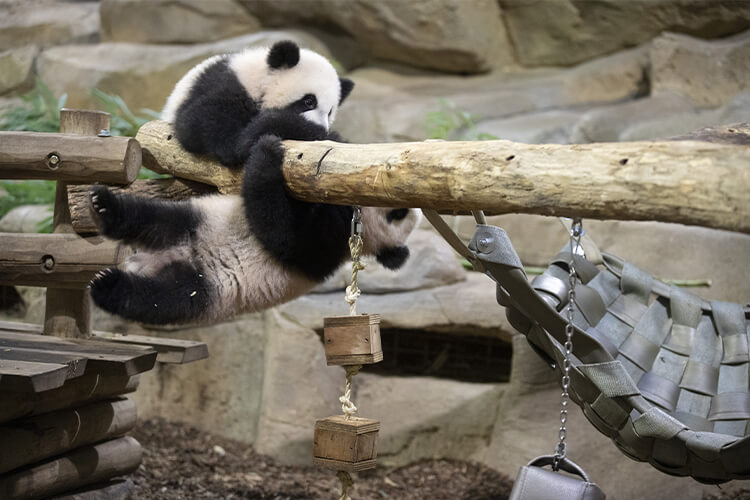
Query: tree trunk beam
x=163 y=154
x=690 y=181
x=172 y=189
x=81 y=467
x=29 y=155
x=55 y=260
x=31 y=440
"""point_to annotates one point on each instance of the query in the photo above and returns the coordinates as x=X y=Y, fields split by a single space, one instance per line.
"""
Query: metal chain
x=575 y=242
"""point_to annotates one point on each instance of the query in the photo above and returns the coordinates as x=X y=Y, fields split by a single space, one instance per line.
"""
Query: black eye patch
x=396 y=214
x=305 y=103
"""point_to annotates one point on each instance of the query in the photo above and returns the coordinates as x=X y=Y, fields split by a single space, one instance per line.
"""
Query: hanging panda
x=212 y=257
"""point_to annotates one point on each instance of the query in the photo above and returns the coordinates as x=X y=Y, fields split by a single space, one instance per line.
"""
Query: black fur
x=214 y=115
x=397 y=214
x=309 y=237
x=283 y=123
x=346 y=89
x=393 y=257
x=144 y=222
x=284 y=54
x=178 y=294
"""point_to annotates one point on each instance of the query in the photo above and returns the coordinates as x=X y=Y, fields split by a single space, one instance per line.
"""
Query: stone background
x=536 y=71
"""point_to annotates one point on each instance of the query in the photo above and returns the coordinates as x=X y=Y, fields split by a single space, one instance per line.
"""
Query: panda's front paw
x=105 y=209
x=266 y=158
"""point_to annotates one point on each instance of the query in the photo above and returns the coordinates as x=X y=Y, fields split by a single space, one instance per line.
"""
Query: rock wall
x=537 y=71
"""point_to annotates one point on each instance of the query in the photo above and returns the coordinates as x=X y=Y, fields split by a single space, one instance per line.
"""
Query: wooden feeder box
x=352 y=340
x=348 y=445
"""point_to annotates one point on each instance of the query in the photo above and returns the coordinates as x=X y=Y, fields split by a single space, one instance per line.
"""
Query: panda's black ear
x=283 y=54
x=346 y=88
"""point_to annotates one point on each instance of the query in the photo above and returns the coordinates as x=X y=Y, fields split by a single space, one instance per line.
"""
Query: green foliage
x=123 y=122
x=39 y=113
x=445 y=122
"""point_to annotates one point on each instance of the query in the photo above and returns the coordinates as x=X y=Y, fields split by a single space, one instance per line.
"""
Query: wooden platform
x=31 y=362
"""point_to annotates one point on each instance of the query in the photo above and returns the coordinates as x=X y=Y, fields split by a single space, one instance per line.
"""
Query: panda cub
x=212 y=257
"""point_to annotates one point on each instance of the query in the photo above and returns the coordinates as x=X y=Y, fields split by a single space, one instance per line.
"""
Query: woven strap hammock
x=663 y=373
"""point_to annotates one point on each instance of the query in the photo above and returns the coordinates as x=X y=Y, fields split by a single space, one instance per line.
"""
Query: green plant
x=444 y=122
x=123 y=121
x=39 y=113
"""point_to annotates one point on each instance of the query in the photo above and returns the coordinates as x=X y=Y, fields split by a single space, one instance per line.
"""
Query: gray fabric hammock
x=663 y=373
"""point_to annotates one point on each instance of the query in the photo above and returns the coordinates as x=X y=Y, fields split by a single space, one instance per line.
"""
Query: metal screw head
x=48 y=263
x=485 y=244
x=53 y=160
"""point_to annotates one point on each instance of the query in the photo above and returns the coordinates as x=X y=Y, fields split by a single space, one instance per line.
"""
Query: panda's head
x=385 y=231
x=296 y=79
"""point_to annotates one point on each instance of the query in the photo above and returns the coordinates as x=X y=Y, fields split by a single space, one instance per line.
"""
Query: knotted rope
x=353 y=291
x=347 y=405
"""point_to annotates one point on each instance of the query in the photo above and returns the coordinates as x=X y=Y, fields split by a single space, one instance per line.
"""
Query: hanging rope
x=347 y=405
x=346 y=484
x=353 y=291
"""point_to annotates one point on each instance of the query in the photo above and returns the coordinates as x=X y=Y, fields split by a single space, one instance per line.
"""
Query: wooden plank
x=76 y=363
x=83 y=466
x=172 y=189
x=29 y=376
x=170 y=350
x=68 y=157
x=105 y=358
x=28 y=441
x=117 y=489
x=55 y=260
x=74 y=392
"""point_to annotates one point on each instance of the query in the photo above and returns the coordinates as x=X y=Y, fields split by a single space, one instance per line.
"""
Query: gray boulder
x=709 y=73
x=607 y=123
x=143 y=75
x=45 y=23
x=565 y=32
x=25 y=218
x=178 y=21
x=16 y=68
x=458 y=36
x=389 y=106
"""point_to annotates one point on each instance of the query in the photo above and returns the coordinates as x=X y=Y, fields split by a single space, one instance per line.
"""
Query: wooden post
x=68 y=311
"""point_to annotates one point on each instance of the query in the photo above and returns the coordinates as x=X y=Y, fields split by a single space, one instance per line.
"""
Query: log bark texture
x=691 y=181
x=29 y=155
x=31 y=440
x=81 y=467
x=55 y=260
x=172 y=188
x=163 y=154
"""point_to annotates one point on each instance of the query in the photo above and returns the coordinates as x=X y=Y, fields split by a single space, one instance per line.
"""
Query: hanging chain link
x=575 y=243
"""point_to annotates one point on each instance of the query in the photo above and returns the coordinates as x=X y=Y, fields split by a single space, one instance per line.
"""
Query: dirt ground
x=181 y=462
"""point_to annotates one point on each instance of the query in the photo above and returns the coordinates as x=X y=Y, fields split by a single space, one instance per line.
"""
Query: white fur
x=379 y=234
x=272 y=88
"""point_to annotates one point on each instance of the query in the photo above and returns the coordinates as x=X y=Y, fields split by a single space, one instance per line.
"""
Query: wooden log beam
x=81 y=467
x=86 y=389
x=55 y=260
x=172 y=188
x=701 y=179
x=69 y=157
x=31 y=440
